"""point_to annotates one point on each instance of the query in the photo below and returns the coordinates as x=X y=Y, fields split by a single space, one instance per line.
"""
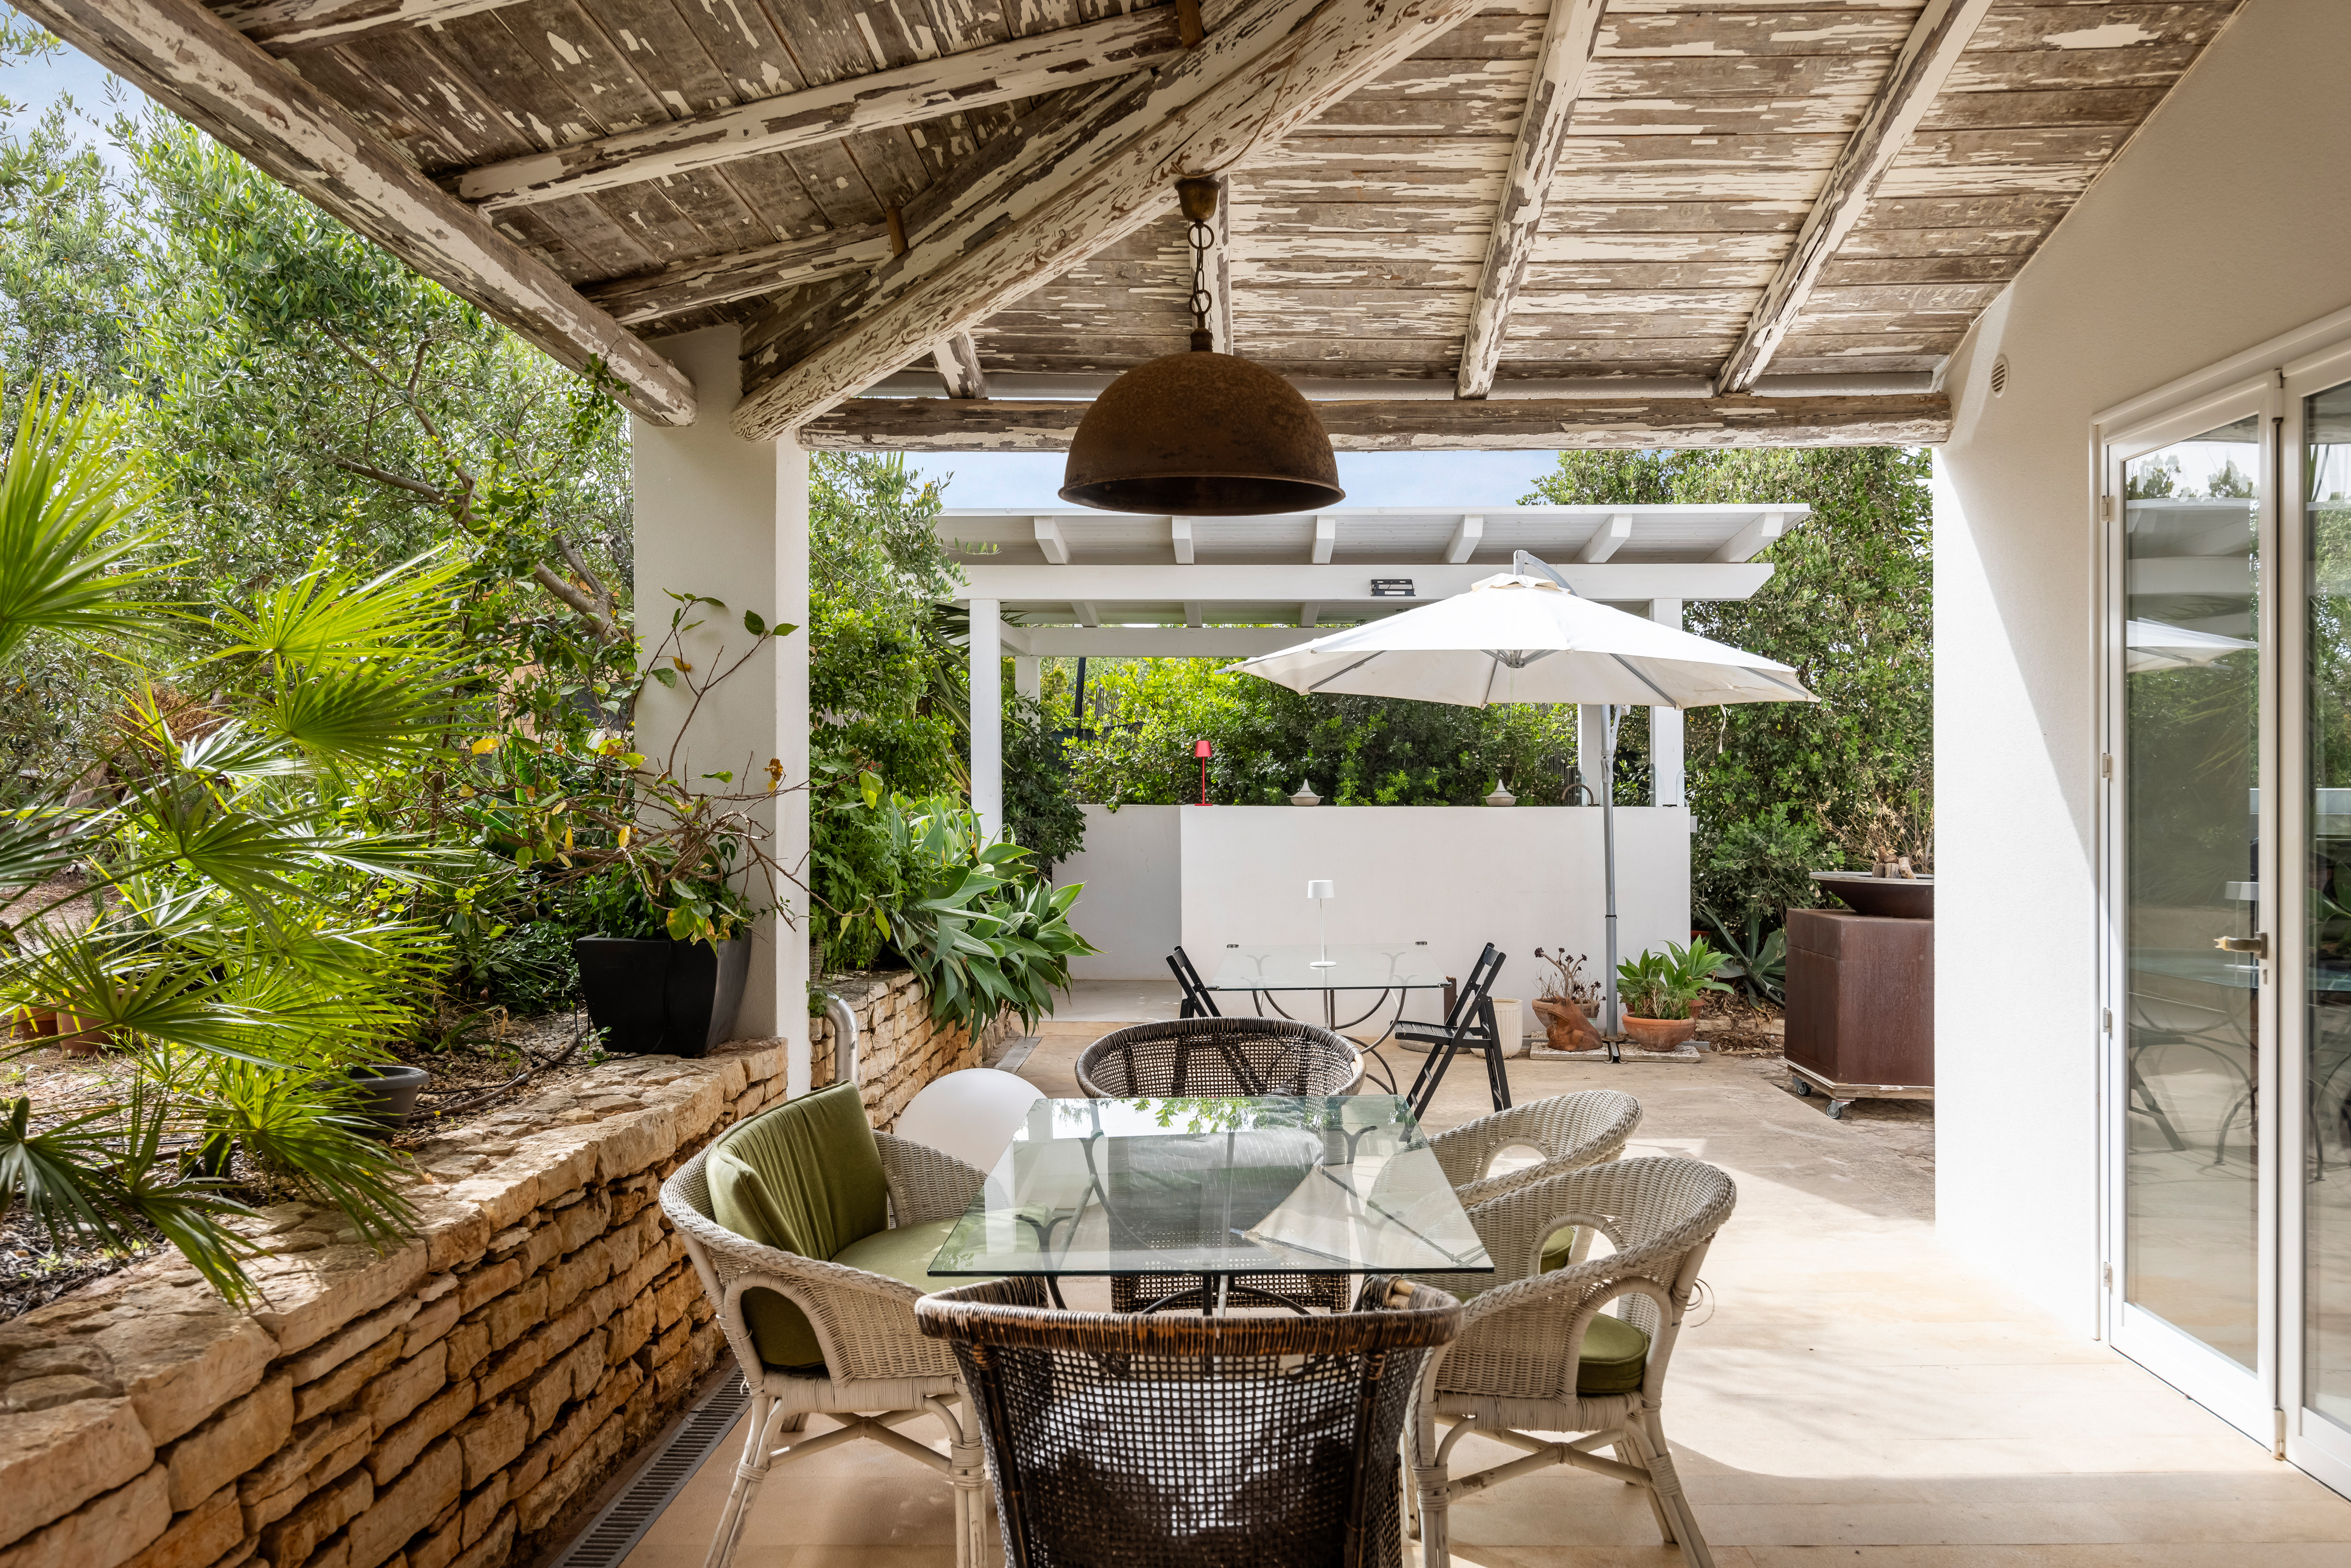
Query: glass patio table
x=1263 y=972
x=1212 y=1189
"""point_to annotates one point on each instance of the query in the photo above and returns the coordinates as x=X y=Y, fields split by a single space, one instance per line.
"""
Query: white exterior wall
x=2224 y=224
x=1456 y=877
x=728 y=518
x=1131 y=908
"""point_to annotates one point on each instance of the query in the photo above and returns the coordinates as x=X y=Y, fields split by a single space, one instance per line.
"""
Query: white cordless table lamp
x=1322 y=892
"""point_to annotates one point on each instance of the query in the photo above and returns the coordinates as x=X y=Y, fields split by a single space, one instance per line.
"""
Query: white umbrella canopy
x=2153 y=646
x=1515 y=639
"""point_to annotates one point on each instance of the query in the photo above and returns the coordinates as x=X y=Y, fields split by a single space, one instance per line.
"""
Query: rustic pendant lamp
x=1201 y=434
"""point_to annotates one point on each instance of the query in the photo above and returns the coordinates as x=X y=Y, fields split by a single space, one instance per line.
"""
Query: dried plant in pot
x=1568 y=1002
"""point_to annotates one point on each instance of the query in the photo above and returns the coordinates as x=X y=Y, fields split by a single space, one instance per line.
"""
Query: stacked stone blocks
x=438 y=1406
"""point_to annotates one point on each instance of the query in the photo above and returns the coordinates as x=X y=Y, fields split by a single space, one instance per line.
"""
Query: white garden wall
x=1454 y=876
x=2224 y=224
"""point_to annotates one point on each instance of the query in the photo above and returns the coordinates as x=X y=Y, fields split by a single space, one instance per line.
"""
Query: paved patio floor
x=1853 y=1396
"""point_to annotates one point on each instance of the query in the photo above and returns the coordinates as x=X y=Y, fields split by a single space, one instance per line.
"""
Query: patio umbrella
x=2152 y=645
x=1525 y=636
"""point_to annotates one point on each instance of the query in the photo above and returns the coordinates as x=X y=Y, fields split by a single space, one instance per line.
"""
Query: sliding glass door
x=2188 y=1291
x=2228 y=853
x=2316 y=1218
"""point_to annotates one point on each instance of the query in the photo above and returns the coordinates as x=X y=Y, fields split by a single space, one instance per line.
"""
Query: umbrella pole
x=1608 y=841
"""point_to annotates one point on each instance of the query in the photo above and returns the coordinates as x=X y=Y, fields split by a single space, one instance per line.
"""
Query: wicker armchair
x=1158 y=1442
x=1219 y=1056
x=1570 y=1131
x=875 y=1359
x=1529 y=1357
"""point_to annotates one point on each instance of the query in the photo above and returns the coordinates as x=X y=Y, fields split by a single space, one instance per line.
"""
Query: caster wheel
x=1803 y=1088
x=1836 y=1110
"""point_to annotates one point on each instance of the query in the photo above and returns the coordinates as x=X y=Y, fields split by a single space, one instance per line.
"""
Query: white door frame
x=2246 y=1400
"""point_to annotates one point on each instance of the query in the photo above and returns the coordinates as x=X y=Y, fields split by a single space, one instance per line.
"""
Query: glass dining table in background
x=1264 y=971
x=1213 y=1188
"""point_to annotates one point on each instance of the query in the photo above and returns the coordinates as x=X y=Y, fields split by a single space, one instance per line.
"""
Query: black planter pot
x=660 y=997
x=387 y=1094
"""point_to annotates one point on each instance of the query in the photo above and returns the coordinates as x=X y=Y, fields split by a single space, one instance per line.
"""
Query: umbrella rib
x=1493 y=668
x=1783 y=686
x=1645 y=680
x=1348 y=671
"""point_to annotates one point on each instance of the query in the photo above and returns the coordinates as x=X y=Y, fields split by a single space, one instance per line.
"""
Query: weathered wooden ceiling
x=1489 y=196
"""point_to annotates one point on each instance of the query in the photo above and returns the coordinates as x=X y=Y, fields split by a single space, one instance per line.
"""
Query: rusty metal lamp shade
x=1202 y=434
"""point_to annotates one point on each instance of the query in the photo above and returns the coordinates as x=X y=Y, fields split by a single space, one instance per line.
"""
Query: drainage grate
x=614 y=1532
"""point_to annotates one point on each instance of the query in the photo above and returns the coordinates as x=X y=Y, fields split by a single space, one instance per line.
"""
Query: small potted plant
x=1660 y=991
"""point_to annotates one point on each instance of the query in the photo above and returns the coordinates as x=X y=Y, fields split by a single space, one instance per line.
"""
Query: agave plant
x=243 y=877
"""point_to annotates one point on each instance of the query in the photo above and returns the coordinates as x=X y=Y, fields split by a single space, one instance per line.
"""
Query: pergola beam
x=1911 y=418
x=1936 y=42
x=711 y=280
x=1534 y=158
x=960 y=371
x=1081 y=184
x=974 y=79
x=192 y=62
x=284 y=26
x=1223 y=592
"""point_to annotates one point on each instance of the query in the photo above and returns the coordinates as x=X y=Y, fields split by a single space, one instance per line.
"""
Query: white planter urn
x=1305 y=794
x=1502 y=796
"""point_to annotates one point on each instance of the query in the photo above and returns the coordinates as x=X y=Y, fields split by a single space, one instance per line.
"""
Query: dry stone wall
x=899 y=1048
x=440 y=1405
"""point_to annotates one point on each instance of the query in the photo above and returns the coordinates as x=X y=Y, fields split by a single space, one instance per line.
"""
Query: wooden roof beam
x=189 y=59
x=957 y=359
x=1078 y=177
x=1543 y=137
x=1418 y=424
x=287 y=27
x=711 y=280
x=974 y=79
x=1936 y=42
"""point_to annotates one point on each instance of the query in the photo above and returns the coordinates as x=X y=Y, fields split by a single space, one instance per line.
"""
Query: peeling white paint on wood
x=997 y=73
x=1420 y=424
x=1933 y=48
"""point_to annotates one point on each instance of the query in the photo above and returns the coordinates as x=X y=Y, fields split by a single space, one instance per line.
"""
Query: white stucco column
x=1665 y=726
x=1029 y=677
x=726 y=518
x=1592 y=748
x=988 y=714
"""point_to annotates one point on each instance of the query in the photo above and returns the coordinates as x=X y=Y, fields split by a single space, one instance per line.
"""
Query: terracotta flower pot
x=80 y=1036
x=1565 y=1027
x=1659 y=1034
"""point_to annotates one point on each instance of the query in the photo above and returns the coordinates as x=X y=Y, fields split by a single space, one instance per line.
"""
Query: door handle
x=2258 y=944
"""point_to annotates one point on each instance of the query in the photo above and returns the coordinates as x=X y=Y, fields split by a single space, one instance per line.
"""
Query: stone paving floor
x=1854 y=1394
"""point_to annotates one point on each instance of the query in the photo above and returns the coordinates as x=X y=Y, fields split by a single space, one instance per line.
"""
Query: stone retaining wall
x=440 y=1405
x=899 y=1048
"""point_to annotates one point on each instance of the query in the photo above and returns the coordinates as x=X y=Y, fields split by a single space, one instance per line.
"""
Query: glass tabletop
x=1375 y=967
x=1334 y=1185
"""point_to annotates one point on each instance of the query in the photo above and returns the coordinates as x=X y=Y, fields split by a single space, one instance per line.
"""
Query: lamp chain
x=1200 y=236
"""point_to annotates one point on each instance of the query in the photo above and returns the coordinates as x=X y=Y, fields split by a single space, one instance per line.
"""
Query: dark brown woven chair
x=1160 y=1442
x=1209 y=1058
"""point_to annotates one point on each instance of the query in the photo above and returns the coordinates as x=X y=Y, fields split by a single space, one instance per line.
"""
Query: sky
x=1434 y=479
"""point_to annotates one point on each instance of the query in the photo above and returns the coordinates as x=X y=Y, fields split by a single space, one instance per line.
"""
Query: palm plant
x=228 y=886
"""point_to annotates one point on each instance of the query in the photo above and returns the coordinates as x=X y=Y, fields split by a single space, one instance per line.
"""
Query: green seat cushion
x=1615 y=1356
x=805 y=1177
x=902 y=1253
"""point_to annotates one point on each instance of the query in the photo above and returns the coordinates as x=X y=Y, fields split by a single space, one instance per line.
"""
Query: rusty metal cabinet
x=1861 y=1006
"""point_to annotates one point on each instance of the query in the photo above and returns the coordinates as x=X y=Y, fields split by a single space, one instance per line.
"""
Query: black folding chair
x=1199 y=1002
x=1468 y=1025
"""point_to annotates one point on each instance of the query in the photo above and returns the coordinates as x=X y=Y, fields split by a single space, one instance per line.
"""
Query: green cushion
x=805 y=1177
x=902 y=1253
x=1615 y=1356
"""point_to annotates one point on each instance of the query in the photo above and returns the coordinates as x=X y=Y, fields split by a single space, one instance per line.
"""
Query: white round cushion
x=971 y=1114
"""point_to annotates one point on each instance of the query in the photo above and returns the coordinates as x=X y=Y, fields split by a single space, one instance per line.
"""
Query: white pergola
x=1068 y=581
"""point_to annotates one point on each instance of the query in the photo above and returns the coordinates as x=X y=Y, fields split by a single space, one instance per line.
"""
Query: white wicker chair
x=879 y=1371
x=1516 y=1366
x=1570 y=1131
